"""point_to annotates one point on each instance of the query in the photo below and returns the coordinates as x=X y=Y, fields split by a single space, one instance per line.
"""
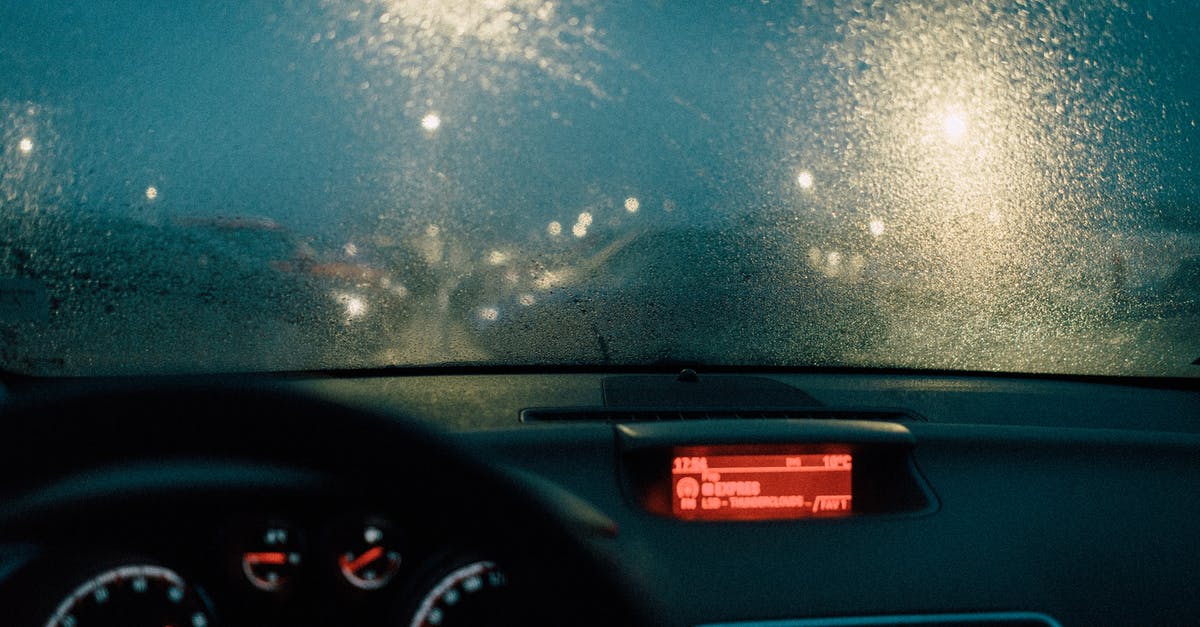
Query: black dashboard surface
x=1068 y=499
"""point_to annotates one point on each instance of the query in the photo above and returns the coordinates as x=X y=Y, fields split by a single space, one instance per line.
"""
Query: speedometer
x=133 y=596
x=471 y=594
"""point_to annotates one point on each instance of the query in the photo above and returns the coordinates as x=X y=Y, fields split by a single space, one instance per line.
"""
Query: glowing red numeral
x=691 y=463
x=838 y=461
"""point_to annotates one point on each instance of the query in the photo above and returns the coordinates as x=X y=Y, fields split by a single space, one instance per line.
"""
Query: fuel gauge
x=274 y=561
x=372 y=556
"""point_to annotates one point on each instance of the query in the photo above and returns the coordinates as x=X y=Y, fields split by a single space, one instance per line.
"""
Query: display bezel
x=884 y=479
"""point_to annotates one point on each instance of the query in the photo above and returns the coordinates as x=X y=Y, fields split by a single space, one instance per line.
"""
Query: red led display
x=719 y=483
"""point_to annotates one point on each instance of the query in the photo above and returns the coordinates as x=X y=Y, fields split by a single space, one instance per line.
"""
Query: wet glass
x=1000 y=186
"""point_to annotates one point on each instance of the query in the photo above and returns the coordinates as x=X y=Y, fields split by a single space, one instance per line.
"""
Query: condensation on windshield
x=1001 y=186
x=1019 y=175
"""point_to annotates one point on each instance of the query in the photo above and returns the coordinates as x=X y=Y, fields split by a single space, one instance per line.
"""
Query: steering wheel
x=157 y=441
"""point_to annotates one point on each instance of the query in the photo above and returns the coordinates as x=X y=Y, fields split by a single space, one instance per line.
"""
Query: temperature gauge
x=372 y=557
x=274 y=561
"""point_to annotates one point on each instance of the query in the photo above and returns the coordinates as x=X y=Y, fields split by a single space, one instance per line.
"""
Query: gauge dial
x=472 y=594
x=133 y=596
x=373 y=557
x=275 y=561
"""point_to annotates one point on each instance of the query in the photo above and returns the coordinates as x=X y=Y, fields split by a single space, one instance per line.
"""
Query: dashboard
x=780 y=499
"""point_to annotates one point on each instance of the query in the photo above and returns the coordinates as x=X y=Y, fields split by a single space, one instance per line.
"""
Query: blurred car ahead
x=682 y=295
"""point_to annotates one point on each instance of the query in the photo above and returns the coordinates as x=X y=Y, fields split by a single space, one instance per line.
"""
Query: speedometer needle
x=362 y=560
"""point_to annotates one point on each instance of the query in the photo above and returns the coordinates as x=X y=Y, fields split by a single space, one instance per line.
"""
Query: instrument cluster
x=275 y=570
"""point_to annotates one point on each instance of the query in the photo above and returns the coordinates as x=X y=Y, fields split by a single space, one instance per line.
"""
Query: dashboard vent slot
x=659 y=414
x=994 y=619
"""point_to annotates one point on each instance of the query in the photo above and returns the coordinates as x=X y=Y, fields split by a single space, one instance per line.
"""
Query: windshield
x=1005 y=186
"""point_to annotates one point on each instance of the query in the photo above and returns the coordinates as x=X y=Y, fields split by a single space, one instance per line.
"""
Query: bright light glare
x=26 y=145
x=554 y=228
x=954 y=126
x=632 y=204
x=805 y=180
x=581 y=227
x=552 y=279
x=814 y=256
x=497 y=257
x=431 y=122
x=151 y=192
x=875 y=227
x=354 y=306
x=489 y=314
x=403 y=35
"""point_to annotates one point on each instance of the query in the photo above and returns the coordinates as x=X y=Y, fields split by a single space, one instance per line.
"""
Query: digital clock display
x=742 y=483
